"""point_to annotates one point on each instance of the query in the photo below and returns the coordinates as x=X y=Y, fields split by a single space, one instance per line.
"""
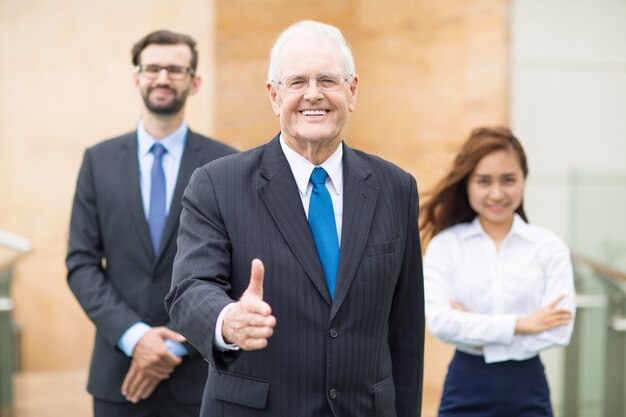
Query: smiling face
x=496 y=188
x=312 y=119
x=162 y=95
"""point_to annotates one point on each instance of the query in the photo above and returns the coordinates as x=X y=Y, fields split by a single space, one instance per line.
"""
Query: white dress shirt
x=174 y=144
x=531 y=268
x=302 y=169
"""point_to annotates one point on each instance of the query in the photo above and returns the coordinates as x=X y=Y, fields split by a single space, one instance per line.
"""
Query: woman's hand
x=457 y=306
x=545 y=318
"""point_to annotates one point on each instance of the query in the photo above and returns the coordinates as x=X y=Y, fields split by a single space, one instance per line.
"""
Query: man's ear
x=135 y=77
x=274 y=98
x=353 y=92
x=196 y=82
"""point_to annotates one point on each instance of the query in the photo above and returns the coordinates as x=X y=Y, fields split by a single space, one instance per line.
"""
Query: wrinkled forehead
x=310 y=54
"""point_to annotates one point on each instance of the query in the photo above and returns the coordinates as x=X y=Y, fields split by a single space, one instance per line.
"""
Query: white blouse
x=531 y=268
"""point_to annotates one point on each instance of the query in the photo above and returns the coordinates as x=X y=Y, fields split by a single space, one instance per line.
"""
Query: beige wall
x=430 y=71
x=65 y=78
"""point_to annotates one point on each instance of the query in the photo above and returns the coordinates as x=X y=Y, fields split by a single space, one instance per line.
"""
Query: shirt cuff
x=508 y=327
x=218 y=340
x=499 y=352
x=131 y=337
x=176 y=348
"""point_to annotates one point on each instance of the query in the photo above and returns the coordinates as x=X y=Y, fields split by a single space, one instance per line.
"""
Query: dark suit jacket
x=360 y=354
x=112 y=269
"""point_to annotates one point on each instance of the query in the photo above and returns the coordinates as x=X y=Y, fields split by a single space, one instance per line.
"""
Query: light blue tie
x=324 y=229
x=156 y=215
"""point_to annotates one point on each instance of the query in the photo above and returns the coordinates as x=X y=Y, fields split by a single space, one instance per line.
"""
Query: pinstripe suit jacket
x=108 y=223
x=360 y=354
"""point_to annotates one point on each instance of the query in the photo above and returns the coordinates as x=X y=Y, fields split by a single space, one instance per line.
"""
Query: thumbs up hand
x=257 y=274
x=250 y=323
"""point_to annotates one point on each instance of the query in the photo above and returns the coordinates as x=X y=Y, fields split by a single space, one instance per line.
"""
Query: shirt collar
x=474 y=228
x=302 y=167
x=519 y=228
x=174 y=143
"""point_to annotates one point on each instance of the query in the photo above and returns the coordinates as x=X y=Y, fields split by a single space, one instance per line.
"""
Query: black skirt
x=474 y=388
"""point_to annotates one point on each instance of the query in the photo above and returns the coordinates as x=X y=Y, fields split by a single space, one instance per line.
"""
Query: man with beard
x=123 y=241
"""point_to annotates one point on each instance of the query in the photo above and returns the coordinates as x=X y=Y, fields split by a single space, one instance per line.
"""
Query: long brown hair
x=448 y=203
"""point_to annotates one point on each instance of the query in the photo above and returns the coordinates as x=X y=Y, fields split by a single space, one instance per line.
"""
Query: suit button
x=332 y=393
x=333 y=332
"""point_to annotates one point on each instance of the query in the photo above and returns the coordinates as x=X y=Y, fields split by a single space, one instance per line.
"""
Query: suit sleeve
x=85 y=262
x=202 y=267
x=406 y=322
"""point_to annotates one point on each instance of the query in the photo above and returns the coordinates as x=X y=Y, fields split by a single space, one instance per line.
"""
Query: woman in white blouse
x=498 y=288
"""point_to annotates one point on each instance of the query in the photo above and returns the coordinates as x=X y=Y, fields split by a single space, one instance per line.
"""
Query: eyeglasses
x=174 y=72
x=325 y=82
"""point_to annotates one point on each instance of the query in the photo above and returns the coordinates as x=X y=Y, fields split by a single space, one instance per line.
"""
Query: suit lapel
x=359 y=202
x=190 y=161
x=279 y=192
x=130 y=184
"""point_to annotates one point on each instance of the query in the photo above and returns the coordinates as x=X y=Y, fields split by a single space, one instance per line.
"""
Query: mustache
x=165 y=87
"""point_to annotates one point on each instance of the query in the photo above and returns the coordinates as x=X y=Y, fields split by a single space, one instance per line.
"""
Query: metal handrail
x=15 y=242
x=600 y=268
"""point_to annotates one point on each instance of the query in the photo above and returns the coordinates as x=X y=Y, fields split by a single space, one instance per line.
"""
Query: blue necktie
x=156 y=214
x=324 y=229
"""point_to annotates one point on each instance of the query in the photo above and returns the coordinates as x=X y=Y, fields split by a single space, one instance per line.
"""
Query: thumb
x=257 y=274
x=166 y=333
x=556 y=301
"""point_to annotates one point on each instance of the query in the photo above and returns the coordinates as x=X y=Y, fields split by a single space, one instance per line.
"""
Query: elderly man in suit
x=298 y=274
x=122 y=241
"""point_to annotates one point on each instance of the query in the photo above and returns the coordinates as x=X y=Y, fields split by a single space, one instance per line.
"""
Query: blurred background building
x=430 y=71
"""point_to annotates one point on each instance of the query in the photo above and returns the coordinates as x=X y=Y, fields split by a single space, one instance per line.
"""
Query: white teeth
x=313 y=112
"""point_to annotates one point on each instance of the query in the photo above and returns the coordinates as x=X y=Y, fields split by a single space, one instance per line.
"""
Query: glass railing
x=595 y=372
x=595 y=360
x=11 y=249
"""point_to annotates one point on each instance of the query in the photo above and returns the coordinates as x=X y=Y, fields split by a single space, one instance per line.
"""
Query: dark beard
x=170 y=108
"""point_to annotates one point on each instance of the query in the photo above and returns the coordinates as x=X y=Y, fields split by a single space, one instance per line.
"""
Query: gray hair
x=307 y=27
